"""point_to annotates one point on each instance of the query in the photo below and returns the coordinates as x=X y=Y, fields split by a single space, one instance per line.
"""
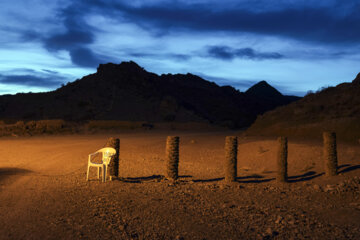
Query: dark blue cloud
x=76 y=32
x=75 y=37
x=179 y=57
x=221 y=52
x=75 y=43
x=85 y=57
x=318 y=24
x=227 y=53
x=69 y=40
x=32 y=80
x=30 y=35
x=174 y=56
x=50 y=71
x=28 y=77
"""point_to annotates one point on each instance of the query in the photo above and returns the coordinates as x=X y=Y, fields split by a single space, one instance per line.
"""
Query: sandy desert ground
x=44 y=194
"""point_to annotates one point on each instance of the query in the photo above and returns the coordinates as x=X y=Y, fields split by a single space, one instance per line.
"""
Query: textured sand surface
x=44 y=195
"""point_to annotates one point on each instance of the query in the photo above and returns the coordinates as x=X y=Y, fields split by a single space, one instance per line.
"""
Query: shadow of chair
x=8 y=172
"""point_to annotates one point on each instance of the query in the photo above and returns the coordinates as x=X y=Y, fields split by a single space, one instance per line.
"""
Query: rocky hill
x=332 y=109
x=265 y=97
x=127 y=92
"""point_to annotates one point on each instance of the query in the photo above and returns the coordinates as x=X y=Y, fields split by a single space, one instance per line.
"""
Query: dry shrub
x=347 y=129
x=13 y=129
x=20 y=124
x=113 y=124
x=43 y=126
x=50 y=126
x=129 y=125
x=31 y=125
x=186 y=126
x=34 y=127
x=4 y=130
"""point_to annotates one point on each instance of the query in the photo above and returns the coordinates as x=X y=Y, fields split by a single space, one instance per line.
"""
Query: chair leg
x=87 y=173
x=98 y=172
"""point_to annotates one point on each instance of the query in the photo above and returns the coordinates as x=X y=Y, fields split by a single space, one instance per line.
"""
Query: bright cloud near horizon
x=296 y=46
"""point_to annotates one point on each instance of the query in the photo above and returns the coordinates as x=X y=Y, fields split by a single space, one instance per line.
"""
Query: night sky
x=295 y=45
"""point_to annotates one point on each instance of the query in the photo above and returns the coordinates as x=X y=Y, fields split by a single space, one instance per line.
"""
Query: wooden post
x=172 y=157
x=114 y=164
x=330 y=153
x=230 y=158
x=282 y=159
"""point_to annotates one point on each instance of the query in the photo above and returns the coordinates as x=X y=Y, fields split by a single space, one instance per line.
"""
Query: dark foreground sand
x=44 y=195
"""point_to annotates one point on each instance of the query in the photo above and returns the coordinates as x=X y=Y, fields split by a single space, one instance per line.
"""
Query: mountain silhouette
x=128 y=92
x=264 y=97
x=357 y=79
x=263 y=90
x=331 y=109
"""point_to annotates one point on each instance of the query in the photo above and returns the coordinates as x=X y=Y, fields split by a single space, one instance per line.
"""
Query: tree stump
x=114 y=163
x=172 y=158
x=330 y=153
x=230 y=158
x=282 y=160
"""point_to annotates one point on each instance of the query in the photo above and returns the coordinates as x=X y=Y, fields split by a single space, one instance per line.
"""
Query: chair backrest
x=107 y=154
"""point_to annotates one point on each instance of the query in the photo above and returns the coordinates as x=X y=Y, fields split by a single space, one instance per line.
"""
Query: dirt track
x=44 y=195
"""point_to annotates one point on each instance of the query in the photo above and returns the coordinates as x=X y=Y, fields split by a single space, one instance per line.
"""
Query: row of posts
x=230 y=164
x=329 y=156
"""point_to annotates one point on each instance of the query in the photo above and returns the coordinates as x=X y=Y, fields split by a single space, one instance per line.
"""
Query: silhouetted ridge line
x=357 y=79
x=331 y=109
x=124 y=66
x=263 y=89
x=127 y=92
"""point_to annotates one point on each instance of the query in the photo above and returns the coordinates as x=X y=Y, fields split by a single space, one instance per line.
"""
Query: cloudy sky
x=295 y=45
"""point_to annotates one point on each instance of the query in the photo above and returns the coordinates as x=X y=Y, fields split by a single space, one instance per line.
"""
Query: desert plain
x=44 y=193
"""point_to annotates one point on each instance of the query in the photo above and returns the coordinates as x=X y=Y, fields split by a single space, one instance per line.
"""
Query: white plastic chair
x=107 y=153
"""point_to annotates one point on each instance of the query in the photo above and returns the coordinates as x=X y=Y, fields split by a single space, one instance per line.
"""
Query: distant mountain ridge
x=263 y=89
x=128 y=92
x=268 y=97
x=332 y=109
